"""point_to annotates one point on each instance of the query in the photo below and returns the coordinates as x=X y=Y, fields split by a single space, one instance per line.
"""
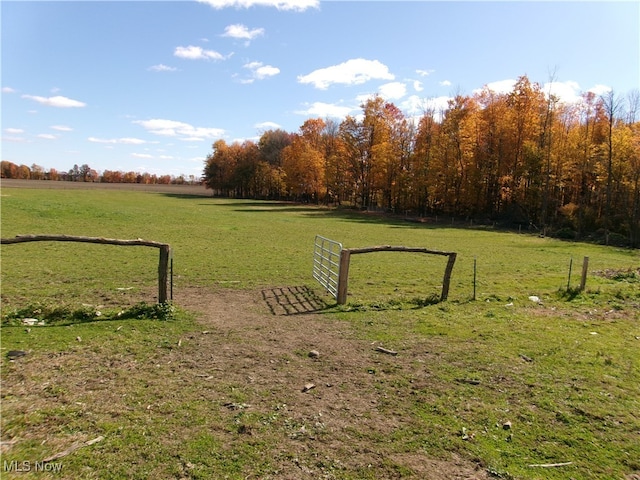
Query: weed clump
x=50 y=314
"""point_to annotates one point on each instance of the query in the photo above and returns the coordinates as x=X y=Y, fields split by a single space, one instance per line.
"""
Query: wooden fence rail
x=163 y=263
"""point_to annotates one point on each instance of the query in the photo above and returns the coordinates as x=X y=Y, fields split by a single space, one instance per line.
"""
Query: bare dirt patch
x=276 y=343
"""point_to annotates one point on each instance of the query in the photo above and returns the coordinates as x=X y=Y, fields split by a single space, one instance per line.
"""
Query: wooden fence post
x=585 y=268
x=343 y=276
x=447 y=276
x=163 y=272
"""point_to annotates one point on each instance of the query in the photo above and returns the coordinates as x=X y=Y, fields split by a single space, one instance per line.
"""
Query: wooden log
x=73 y=238
x=72 y=449
x=387 y=351
x=550 y=465
x=391 y=248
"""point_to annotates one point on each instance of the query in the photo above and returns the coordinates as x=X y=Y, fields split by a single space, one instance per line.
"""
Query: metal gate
x=326 y=263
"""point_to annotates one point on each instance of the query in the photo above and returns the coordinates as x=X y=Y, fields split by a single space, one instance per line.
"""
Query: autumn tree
x=356 y=154
x=423 y=173
x=219 y=170
x=8 y=169
x=612 y=106
x=338 y=180
x=491 y=145
x=271 y=144
x=456 y=155
x=303 y=165
x=523 y=176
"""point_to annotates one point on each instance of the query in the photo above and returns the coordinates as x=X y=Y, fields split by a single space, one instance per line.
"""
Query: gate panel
x=326 y=263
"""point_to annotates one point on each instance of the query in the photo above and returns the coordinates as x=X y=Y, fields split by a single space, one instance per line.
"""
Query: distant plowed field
x=176 y=189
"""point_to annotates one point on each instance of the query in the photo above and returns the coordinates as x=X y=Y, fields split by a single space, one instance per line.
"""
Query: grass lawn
x=501 y=380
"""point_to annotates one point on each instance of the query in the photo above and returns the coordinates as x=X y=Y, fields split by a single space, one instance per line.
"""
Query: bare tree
x=633 y=101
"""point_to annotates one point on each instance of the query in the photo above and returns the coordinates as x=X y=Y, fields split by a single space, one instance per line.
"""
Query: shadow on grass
x=186 y=196
x=315 y=211
x=303 y=300
x=266 y=206
x=293 y=301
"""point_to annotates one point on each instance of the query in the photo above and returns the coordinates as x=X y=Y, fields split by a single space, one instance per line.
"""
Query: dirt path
x=255 y=342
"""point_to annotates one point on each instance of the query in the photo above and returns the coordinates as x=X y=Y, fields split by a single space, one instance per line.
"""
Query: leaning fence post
x=343 y=276
x=163 y=272
x=447 y=276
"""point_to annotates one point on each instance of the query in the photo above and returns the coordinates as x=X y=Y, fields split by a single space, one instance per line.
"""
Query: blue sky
x=150 y=85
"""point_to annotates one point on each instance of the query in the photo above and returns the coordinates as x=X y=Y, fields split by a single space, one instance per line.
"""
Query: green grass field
x=565 y=372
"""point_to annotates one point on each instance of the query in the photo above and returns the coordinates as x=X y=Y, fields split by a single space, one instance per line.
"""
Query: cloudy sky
x=150 y=85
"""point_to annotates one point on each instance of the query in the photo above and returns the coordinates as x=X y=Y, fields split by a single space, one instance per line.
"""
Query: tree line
x=84 y=173
x=572 y=170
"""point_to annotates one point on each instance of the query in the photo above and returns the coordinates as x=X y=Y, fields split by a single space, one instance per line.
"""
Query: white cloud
x=352 y=72
x=11 y=138
x=242 y=32
x=296 y=5
x=197 y=53
x=47 y=136
x=424 y=73
x=600 y=89
x=393 y=90
x=445 y=83
x=8 y=90
x=567 y=92
x=162 y=68
x=570 y=92
x=364 y=97
x=193 y=139
x=14 y=139
x=124 y=141
x=501 y=86
x=61 y=128
x=259 y=71
x=416 y=105
x=326 y=110
x=180 y=130
x=57 y=101
x=14 y=131
x=141 y=155
x=267 y=126
x=417 y=86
